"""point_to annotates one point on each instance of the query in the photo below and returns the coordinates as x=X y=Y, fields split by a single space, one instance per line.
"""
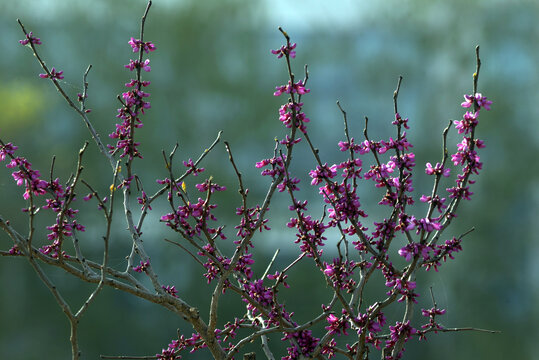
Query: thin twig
x=186 y=250
x=270 y=264
x=82 y=114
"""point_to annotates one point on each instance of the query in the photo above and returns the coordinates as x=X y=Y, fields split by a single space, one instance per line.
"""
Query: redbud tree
x=347 y=325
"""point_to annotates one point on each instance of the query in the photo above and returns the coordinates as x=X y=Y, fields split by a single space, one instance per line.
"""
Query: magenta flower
x=142 y=267
x=291 y=111
x=144 y=201
x=136 y=44
x=53 y=75
x=400 y=329
x=205 y=186
x=459 y=192
x=277 y=166
x=400 y=121
x=428 y=225
x=437 y=202
x=135 y=64
x=170 y=290
x=468 y=122
x=284 y=50
x=323 y=172
x=336 y=325
x=30 y=38
x=410 y=250
x=291 y=88
x=134 y=102
x=432 y=312
x=480 y=100
x=192 y=169
x=329 y=271
x=437 y=169
x=8 y=149
x=134 y=82
x=468 y=101
x=15 y=250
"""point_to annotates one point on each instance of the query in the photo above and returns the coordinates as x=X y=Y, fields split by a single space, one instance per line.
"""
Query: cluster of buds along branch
x=347 y=325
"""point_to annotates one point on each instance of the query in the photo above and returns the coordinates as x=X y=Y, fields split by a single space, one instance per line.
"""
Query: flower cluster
x=296 y=88
x=432 y=324
x=192 y=169
x=65 y=222
x=54 y=75
x=195 y=342
x=345 y=204
x=136 y=64
x=261 y=299
x=292 y=111
x=310 y=233
x=199 y=212
x=436 y=201
x=291 y=114
x=263 y=295
x=340 y=272
x=26 y=176
x=250 y=218
x=478 y=99
x=30 y=39
x=277 y=166
x=373 y=322
x=337 y=325
x=144 y=201
x=437 y=169
x=466 y=154
x=137 y=44
x=170 y=290
x=401 y=286
x=142 y=267
x=134 y=102
x=400 y=330
x=170 y=352
x=59 y=201
x=287 y=50
x=431 y=255
x=302 y=343
x=323 y=172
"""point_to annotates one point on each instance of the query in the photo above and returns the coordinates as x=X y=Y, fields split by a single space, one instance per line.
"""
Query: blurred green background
x=213 y=71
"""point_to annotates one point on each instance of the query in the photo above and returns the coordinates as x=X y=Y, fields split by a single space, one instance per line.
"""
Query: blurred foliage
x=213 y=71
x=20 y=104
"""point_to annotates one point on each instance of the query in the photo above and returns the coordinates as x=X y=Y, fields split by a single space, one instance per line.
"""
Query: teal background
x=213 y=71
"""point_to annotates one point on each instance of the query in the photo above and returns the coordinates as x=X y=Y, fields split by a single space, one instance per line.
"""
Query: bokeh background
x=213 y=71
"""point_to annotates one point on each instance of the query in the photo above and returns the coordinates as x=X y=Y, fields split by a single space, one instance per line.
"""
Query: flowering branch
x=361 y=252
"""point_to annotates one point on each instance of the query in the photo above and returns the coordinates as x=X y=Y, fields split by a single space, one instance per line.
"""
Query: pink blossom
x=53 y=75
